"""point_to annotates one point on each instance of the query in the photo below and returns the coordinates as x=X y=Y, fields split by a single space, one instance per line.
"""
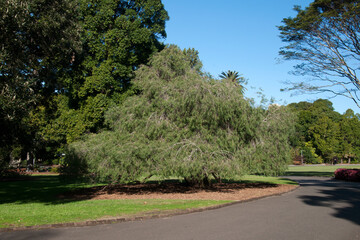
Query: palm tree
x=235 y=77
x=231 y=75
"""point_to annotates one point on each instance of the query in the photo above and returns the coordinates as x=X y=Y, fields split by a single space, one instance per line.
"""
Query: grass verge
x=33 y=201
x=316 y=170
x=270 y=180
x=31 y=214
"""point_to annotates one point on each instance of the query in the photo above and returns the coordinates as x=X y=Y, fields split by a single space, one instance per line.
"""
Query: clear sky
x=242 y=36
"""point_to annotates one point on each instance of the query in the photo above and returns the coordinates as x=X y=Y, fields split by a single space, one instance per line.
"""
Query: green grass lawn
x=270 y=180
x=29 y=214
x=316 y=170
x=34 y=202
x=245 y=179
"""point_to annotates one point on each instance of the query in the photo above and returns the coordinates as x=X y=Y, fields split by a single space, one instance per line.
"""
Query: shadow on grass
x=34 y=189
x=309 y=173
x=54 y=190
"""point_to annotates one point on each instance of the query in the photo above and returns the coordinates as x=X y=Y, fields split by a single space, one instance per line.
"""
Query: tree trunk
x=27 y=161
x=217 y=177
x=198 y=182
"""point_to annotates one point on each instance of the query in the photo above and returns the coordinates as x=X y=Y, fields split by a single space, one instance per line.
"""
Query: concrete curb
x=139 y=218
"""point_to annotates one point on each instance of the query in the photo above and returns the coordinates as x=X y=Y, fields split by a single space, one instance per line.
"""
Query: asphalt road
x=320 y=209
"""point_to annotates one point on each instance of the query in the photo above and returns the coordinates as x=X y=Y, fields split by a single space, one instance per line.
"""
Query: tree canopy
x=324 y=38
x=63 y=63
x=322 y=133
x=38 y=40
x=183 y=124
x=117 y=36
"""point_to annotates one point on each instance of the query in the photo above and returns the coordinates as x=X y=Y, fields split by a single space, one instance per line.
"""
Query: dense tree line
x=323 y=134
x=63 y=63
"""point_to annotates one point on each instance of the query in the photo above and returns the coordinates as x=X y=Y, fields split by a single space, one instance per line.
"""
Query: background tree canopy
x=37 y=41
x=63 y=63
x=322 y=134
x=324 y=38
x=183 y=124
x=117 y=37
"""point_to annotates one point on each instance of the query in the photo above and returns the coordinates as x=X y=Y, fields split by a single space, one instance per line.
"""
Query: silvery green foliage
x=182 y=124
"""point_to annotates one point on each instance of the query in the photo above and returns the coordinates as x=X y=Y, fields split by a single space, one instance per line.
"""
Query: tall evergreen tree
x=118 y=36
x=38 y=41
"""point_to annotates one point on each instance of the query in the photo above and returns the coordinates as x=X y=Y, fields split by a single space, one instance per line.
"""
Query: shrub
x=348 y=174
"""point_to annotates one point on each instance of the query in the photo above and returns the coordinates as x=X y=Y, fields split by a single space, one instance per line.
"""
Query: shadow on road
x=343 y=197
x=26 y=235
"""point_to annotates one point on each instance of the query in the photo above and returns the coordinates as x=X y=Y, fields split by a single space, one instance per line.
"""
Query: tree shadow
x=53 y=190
x=343 y=197
x=25 y=235
x=161 y=187
x=35 y=189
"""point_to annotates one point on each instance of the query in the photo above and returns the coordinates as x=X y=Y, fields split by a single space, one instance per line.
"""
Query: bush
x=348 y=174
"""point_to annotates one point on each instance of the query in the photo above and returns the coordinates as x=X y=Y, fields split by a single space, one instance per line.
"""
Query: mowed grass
x=262 y=179
x=316 y=170
x=243 y=179
x=34 y=201
x=30 y=214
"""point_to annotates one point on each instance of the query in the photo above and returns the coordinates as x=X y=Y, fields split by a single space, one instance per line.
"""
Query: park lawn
x=262 y=179
x=31 y=214
x=34 y=202
x=245 y=179
x=316 y=170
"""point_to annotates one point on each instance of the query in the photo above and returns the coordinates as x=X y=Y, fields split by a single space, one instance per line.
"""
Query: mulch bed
x=170 y=190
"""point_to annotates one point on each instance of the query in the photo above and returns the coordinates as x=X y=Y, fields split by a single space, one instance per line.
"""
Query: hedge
x=348 y=174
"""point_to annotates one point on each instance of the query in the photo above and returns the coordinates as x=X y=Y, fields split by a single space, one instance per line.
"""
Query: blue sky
x=240 y=35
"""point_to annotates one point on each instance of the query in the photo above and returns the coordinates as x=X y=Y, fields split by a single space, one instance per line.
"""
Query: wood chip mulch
x=218 y=191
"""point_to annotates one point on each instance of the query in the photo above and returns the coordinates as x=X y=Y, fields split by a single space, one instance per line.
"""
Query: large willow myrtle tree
x=185 y=125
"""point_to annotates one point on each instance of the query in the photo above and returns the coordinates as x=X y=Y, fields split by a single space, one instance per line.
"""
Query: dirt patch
x=219 y=191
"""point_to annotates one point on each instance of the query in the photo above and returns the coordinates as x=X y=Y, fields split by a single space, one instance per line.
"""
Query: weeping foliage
x=182 y=124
